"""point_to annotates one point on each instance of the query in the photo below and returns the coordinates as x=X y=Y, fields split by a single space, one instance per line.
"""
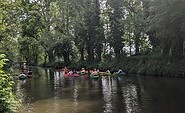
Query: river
x=49 y=92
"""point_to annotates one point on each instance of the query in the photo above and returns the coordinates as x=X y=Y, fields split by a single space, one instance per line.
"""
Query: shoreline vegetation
x=9 y=102
x=144 y=65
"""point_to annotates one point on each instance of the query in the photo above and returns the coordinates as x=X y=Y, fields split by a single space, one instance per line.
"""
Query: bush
x=8 y=101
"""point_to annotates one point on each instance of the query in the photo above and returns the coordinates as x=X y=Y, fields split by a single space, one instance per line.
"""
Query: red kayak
x=71 y=75
x=74 y=75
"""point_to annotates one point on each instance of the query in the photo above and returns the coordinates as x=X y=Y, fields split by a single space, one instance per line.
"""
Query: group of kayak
x=94 y=74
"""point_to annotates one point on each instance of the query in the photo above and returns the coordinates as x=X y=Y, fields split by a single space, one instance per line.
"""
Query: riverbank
x=143 y=65
x=156 y=66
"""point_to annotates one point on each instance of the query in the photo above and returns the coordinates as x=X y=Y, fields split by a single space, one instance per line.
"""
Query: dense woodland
x=93 y=33
x=139 y=36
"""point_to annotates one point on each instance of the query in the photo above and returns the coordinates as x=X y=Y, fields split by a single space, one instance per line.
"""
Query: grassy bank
x=143 y=65
x=149 y=66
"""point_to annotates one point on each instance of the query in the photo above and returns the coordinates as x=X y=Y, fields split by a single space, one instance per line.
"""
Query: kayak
x=74 y=75
x=71 y=75
x=82 y=73
x=104 y=74
x=119 y=74
x=22 y=76
x=29 y=76
x=94 y=76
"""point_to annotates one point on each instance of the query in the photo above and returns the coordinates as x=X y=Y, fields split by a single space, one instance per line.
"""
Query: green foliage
x=92 y=32
x=9 y=27
x=8 y=101
x=116 y=27
x=167 y=20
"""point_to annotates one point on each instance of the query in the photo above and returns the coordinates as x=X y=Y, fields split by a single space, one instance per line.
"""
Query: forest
x=140 y=36
x=143 y=37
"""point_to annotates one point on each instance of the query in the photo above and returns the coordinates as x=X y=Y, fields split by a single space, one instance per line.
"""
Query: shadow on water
x=50 y=92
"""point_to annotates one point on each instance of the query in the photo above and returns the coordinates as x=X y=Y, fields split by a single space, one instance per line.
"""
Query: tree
x=169 y=23
x=135 y=22
x=89 y=31
x=31 y=27
x=8 y=101
x=9 y=27
x=116 y=28
x=99 y=31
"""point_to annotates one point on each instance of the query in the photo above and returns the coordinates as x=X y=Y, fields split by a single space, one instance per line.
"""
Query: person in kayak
x=120 y=71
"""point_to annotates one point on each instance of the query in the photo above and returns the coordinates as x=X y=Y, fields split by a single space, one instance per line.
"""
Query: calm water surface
x=50 y=92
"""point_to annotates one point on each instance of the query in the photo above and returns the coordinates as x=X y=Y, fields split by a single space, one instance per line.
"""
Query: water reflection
x=56 y=92
x=50 y=92
x=56 y=81
x=106 y=90
x=21 y=93
x=130 y=95
x=75 y=98
x=48 y=73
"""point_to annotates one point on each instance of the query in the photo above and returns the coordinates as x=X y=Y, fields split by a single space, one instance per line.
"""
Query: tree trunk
x=66 y=58
x=99 y=52
x=177 y=49
x=45 y=58
x=130 y=45
x=81 y=55
x=36 y=60
x=117 y=54
x=166 y=49
x=137 y=40
x=90 y=53
x=50 y=56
